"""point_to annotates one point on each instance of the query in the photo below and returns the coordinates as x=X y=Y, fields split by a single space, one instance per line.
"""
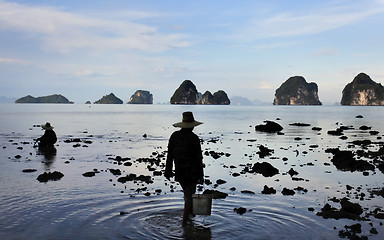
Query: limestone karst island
x=296 y=91
x=141 y=97
x=56 y=98
x=362 y=91
x=188 y=94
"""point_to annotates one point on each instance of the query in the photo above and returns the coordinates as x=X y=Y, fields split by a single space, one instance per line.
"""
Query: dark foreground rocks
x=50 y=176
x=216 y=194
x=345 y=161
x=264 y=168
x=269 y=127
x=348 y=210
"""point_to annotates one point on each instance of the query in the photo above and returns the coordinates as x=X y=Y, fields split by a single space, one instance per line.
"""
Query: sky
x=85 y=49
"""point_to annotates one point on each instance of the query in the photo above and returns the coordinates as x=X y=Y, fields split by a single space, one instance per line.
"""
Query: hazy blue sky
x=87 y=49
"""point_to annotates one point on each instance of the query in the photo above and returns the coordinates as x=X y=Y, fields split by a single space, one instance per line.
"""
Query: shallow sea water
x=100 y=207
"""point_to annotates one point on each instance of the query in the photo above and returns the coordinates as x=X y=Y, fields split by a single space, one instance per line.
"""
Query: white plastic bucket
x=201 y=204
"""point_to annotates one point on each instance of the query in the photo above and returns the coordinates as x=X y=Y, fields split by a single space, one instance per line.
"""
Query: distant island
x=141 y=97
x=243 y=101
x=218 y=98
x=296 y=91
x=363 y=91
x=187 y=93
x=109 y=99
x=56 y=98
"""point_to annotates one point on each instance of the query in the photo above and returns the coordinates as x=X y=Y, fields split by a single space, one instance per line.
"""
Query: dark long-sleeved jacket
x=48 y=139
x=184 y=150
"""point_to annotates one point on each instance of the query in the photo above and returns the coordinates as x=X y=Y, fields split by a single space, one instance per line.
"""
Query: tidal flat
x=320 y=178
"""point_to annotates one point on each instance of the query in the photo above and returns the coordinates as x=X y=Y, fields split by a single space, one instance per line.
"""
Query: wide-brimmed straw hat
x=188 y=121
x=47 y=126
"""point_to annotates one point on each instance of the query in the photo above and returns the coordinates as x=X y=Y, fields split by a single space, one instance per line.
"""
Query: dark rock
x=47 y=176
x=89 y=174
x=351 y=231
x=345 y=161
x=348 y=210
x=301 y=189
x=362 y=142
x=337 y=132
x=373 y=132
x=364 y=127
x=300 y=124
x=373 y=231
x=115 y=172
x=268 y=190
x=264 y=151
x=240 y=210
x=247 y=192
x=359 y=116
x=216 y=194
x=292 y=172
x=264 y=168
x=29 y=170
x=269 y=126
x=316 y=128
x=288 y=192
x=296 y=91
x=134 y=177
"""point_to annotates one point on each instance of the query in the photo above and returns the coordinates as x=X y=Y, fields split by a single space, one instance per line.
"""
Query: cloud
x=64 y=32
x=264 y=85
x=12 y=60
x=328 y=51
x=290 y=24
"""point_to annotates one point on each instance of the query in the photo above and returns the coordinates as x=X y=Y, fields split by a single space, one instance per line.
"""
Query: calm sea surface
x=100 y=207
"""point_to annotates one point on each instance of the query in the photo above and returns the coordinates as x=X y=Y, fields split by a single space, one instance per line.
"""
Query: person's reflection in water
x=197 y=232
x=49 y=154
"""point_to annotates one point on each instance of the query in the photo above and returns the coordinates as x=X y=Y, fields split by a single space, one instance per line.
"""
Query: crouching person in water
x=49 y=138
x=184 y=150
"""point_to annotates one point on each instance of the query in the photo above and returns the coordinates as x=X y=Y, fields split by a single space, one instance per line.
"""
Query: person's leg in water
x=188 y=190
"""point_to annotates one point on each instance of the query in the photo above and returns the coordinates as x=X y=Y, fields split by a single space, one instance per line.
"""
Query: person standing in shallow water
x=49 y=138
x=184 y=150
